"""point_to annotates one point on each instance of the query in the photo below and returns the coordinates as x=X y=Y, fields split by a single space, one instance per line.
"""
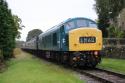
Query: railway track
x=99 y=75
x=104 y=76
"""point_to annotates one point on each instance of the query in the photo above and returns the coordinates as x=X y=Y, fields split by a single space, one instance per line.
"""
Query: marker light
x=96 y=53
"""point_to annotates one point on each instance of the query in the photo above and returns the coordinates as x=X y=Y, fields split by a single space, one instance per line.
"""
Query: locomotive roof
x=62 y=23
x=70 y=19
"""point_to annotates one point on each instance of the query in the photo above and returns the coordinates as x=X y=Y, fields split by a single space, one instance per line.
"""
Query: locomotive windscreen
x=86 y=23
x=80 y=23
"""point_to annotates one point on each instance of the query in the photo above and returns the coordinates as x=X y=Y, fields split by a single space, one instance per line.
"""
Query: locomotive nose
x=84 y=39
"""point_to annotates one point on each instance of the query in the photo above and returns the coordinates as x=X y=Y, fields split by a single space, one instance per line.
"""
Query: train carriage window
x=54 y=39
x=44 y=44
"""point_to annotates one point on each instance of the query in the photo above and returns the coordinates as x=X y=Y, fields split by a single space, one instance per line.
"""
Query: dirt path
x=19 y=54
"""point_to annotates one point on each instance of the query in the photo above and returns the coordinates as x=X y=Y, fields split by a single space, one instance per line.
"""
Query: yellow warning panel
x=85 y=39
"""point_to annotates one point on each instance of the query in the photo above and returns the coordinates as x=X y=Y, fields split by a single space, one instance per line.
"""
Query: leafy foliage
x=115 y=32
x=107 y=11
x=33 y=33
x=101 y=8
x=18 y=24
x=115 y=7
x=8 y=30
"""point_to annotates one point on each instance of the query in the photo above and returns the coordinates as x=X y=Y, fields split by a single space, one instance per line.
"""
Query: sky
x=44 y=14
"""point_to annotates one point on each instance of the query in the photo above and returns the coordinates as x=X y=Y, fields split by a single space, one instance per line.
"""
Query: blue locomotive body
x=76 y=41
x=56 y=38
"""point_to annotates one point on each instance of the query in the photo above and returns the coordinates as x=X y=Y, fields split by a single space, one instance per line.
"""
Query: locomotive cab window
x=86 y=23
x=92 y=24
x=54 y=39
x=70 y=25
x=82 y=23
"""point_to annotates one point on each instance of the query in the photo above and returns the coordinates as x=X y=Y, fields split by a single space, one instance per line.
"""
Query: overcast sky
x=43 y=14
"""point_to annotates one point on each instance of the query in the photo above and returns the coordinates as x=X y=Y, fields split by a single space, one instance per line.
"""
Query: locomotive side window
x=82 y=23
x=54 y=39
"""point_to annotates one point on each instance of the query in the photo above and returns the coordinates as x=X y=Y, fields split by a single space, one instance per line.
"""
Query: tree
x=115 y=8
x=107 y=11
x=101 y=8
x=18 y=24
x=8 y=30
x=33 y=33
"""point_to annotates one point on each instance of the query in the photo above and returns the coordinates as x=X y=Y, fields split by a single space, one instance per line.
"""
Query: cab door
x=62 y=39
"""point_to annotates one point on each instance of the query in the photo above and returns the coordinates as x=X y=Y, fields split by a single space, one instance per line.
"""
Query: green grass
x=28 y=69
x=117 y=65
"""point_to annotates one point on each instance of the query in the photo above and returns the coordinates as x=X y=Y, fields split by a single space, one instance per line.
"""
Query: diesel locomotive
x=76 y=41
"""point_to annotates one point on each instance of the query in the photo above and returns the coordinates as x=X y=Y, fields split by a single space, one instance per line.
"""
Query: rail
x=104 y=76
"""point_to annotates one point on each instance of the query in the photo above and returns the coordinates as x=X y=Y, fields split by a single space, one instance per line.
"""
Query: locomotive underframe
x=73 y=58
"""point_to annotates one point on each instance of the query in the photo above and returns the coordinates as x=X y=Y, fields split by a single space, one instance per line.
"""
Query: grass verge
x=117 y=65
x=28 y=69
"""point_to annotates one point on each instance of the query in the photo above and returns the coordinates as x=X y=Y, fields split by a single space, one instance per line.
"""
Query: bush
x=115 y=32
